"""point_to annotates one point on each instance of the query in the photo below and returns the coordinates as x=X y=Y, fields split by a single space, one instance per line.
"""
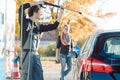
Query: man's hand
x=36 y=3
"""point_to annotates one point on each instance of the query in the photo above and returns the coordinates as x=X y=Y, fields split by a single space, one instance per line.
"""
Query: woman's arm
x=71 y=45
x=58 y=45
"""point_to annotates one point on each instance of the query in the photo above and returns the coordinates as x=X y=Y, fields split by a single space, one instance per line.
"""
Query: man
x=31 y=65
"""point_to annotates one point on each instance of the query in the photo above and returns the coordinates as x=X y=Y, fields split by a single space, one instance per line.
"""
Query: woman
x=64 y=44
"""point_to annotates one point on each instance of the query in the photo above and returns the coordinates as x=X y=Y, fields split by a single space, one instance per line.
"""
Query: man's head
x=34 y=11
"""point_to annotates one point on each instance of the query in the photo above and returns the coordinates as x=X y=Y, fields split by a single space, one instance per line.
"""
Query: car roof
x=100 y=31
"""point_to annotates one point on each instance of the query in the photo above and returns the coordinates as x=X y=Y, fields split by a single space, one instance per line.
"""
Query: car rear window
x=112 y=47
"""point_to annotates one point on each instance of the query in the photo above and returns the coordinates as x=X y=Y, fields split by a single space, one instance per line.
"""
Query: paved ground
x=52 y=71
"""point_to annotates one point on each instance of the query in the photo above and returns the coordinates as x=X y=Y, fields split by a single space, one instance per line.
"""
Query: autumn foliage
x=80 y=26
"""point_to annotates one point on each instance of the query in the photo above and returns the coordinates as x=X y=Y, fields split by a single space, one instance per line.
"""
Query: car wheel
x=85 y=76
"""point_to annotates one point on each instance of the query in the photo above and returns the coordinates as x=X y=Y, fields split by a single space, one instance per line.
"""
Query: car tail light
x=94 y=65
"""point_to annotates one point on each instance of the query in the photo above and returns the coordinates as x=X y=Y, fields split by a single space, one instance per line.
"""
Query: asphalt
x=52 y=71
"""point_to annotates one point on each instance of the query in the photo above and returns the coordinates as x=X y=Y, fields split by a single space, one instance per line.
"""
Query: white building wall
x=10 y=34
x=2 y=39
x=7 y=36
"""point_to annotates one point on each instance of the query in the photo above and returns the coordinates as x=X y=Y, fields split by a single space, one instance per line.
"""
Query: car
x=99 y=57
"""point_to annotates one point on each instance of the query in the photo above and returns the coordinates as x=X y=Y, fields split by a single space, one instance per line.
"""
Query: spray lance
x=57 y=6
x=92 y=18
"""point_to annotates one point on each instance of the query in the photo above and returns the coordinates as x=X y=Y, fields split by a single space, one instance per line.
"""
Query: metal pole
x=54 y=5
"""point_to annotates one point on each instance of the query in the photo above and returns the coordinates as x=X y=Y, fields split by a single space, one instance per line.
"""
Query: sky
x=106 y=6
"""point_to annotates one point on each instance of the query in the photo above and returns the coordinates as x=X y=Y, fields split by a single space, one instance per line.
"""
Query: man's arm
x=44 y=28
x=22 y=15
x=36 y=3
x=49 y=27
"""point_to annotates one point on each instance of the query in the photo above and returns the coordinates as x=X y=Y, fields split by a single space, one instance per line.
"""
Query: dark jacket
x=64 y=49
x=30 y=31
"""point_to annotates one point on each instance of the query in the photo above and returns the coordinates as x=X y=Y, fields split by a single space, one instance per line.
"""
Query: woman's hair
x=32 y=10
x=66 y=26
x=63 y=39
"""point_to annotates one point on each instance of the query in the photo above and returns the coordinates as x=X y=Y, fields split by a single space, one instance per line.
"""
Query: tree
x=76 y=21
x=17 y=28
x=18 y=3
x=80 y=25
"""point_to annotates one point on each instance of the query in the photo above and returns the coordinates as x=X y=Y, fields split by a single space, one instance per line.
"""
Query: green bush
x=41 y=51
x=48 y=51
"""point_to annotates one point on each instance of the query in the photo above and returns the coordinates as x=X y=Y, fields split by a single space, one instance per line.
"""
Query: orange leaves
x=81 y=26
x=110 y=14
x=19 y=2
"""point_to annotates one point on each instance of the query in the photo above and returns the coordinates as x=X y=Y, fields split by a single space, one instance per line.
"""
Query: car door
x=85 y=52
